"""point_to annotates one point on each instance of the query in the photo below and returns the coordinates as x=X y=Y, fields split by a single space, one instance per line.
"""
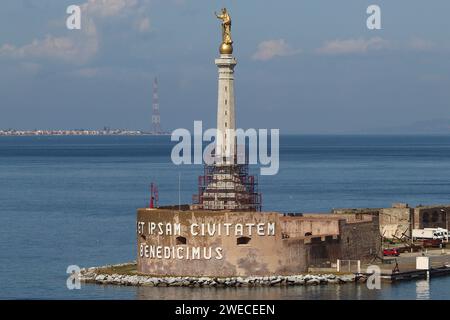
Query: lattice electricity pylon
x=156 y=118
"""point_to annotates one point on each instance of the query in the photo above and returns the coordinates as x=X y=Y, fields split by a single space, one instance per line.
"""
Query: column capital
x=226 y=60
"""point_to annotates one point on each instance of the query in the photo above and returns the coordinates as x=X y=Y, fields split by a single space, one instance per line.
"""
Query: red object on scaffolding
x=154 y=197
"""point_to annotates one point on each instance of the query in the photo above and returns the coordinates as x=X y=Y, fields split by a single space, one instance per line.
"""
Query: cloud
x=143 y=24
x=80 y=46
x=351 y=46
x=419 y=44
x=108 y=8
x=274 y=48
x=76 y=49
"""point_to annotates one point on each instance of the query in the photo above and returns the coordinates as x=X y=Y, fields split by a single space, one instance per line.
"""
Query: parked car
x=391 y=252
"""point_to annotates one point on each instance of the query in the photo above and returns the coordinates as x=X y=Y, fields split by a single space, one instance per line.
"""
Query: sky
x=304 y=66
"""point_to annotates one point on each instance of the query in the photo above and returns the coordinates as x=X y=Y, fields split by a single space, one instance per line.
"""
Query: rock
x=203 y=280
x=220 y=280
x=346 y=278
x=313 y=282
x=100 y=277
x=362 y=279
x=176 y=284
x=275 y=281
x=148 y=283
x=133 y=280
x=95 y=275
x=333 y=281
x=322 y=280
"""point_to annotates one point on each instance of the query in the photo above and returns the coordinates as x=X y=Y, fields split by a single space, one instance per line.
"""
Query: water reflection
x=358 y=291
x=435 y=288
x=323 y=292
x=423 y=289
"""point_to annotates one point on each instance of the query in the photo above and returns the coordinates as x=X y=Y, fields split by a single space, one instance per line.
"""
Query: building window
x=226 y=101
x=226 y=89
x=181 y=241
x=435 y=217
x=226 y=112
x=426 y=217
x=226 y=124
x=243 y=240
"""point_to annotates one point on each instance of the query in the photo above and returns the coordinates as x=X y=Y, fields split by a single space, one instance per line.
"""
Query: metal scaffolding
x=227 y=187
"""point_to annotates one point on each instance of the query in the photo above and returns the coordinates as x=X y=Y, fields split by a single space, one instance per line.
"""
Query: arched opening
x=243 y=240
x=181 y=241
x=307 y=234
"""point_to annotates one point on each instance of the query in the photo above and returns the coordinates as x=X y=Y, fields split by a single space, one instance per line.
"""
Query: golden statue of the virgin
x=227 y=43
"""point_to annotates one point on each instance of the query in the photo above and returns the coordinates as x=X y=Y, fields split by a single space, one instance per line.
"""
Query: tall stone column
x=226 y=185
x=226 y=119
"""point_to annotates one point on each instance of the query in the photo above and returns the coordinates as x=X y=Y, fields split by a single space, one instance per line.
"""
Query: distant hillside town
x=156 y=129
x=76 y=132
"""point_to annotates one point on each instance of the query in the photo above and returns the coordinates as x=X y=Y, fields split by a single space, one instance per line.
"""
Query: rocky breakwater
x=99 y=276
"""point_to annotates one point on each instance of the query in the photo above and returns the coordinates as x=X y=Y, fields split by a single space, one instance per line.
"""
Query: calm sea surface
x=72 y=201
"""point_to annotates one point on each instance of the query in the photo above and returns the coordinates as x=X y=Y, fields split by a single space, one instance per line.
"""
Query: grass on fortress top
x=129 y=269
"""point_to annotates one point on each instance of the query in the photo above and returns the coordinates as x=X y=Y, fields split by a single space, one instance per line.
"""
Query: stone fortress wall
x=400 y=219
x=225 y=244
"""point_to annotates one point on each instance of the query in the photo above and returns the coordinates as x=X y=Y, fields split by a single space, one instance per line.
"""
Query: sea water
x=72 y=201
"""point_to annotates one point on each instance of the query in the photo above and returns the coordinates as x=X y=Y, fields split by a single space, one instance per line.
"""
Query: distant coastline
x=80 y=132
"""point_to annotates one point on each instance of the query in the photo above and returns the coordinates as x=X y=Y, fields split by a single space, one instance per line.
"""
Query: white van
x=427 y=233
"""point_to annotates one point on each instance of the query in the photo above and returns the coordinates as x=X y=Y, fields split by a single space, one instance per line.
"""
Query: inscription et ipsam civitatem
x=181 y=252
x=207 y=229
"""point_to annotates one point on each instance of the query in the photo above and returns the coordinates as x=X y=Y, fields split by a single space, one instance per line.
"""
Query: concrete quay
x=406 y=264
